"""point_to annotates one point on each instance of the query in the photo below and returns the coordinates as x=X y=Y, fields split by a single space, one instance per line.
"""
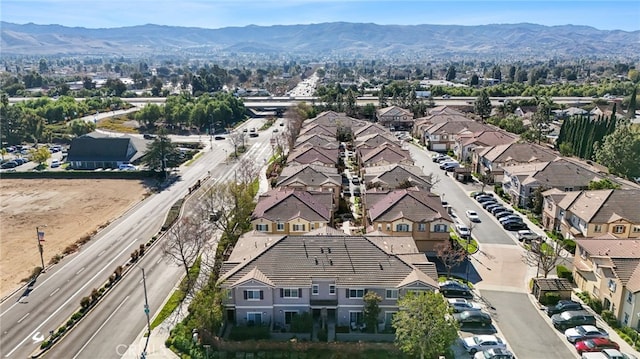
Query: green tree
x=40 y=155
x=482 y=106
x=81 y=127
x=631 y=110
x=371 y=310
x=161 y=154
x=619 y=152
x=149 y=115
x=208 y=310
x=422 y=325
x=451 y=73
x=604 y=183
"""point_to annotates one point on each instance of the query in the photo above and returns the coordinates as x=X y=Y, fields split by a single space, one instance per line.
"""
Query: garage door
x=439 y=147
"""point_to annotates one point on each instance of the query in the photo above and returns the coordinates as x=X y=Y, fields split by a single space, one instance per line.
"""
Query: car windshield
x=581 y=330
x=590 y=343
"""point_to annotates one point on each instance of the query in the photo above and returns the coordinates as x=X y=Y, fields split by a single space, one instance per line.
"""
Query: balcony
x=323 y=302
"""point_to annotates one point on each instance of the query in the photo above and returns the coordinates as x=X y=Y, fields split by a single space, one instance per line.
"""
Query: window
x=422 y=227
x=298 y=227
x=254 y=318
x=597 y=228
x=568 y=189
x=315 y=289
x=262 y=227
x=388 y=318
x=288 y=316
x=332 y=289
x=253 y=294
x=629 y=297
x=440 y=228
x=403 y=227
x=388 y=227
x=626 y=319
x=612 y=285
x=392 y=294
x=290 y=293
x=312 y=226
x=356 y=317
x=355 y=293
x=636 y=229
x=280 y=227
x=618 y=229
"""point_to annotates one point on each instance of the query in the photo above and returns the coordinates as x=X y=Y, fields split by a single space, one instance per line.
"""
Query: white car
x=527 y=235
x=472 y=215
x=127 y=167
x=463 y=231
x=480 y=343
x=459 y=305
x=584 y=332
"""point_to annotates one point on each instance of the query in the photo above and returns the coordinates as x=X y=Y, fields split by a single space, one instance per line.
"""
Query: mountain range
x=325 y=40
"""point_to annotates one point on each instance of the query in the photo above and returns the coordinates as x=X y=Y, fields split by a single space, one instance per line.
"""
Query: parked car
x=616 y=354
x=453 y=289
x=440 y=158
x=473 y=318
x=20 y=160
x=148 y=136
x=514 y=226
x=9 y=164
x=494 y=353
x=527 y=235
x=218 y=138
x=572 y=318
x=489 y=203
x=584 y=332
x=482 y=199
x=490 y=207
x=497 y=209
x=512 y=217
x=355 y=180
x=472 y=215
x=502 y=214
x=445 y=164
x=463 y=231
x=595 y=345
x=460 y=305
x=127 y=167
x=55 y=163
x=478 y=194
x=562 y=306
x=479 y=343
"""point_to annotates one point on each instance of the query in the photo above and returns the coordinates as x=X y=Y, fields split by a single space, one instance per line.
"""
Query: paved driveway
x=529 y=334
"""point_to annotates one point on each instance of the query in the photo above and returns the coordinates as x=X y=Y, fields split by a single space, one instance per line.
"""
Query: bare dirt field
x=70 y=208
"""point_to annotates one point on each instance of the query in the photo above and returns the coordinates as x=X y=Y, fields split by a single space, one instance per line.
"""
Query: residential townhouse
x=491 y=160
x=292 y=211
x=384 y=154
x=442 y=136
x=608 y=269
x=410 y=211
x=466 y=144
x=592 y=213
x=271 y=279
x=309 y=154
x=396 y=176
x=317 y=140
x=370 y=128
x=520 y=181
x=437 y=115
x=311 y=178
x=395 y=118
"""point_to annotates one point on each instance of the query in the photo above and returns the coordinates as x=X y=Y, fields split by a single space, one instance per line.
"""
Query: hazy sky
x=604 y=15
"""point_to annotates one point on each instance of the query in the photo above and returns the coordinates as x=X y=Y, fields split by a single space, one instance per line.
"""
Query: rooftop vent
x=316 y=259
x=330 y=261
x=380 y=264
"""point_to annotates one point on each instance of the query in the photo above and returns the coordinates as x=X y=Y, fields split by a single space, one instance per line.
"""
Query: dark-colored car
x=563 y=306
x=10 y=164
x=595 y=345
x=503 y=213
x=478 y=194
x=148 y=136
x=497 y=209
x=482 y=199
x=453 y=289
x=490 y=206
x=514 y=226
x=572 y=318
x=473 y=318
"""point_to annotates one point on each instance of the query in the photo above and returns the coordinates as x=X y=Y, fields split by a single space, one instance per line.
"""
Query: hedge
x=564 y=272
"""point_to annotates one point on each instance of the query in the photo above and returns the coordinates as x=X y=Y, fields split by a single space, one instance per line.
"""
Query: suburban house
x=395 y=118
x=335 y=122
x=440 y=114
x=410 y=211
x=309 y=154
x=385 y=154
x=520 y=181
x=271 y=279
x=466 y=144
x=608 y=268
x=491 y=160
x=311 y=178
x=97 y=150
x=582 y=214
x=394 y=176
x=291 y=211
x=442 y=136
x=370 y=129
x=375 y=140
x=319 y=140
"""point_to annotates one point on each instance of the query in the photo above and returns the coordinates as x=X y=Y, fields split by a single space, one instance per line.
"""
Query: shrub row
x=564 y=272
x=593 y=303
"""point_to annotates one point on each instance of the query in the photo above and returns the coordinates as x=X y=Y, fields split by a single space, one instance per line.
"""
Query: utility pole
x=146 y=311
x=40 y=239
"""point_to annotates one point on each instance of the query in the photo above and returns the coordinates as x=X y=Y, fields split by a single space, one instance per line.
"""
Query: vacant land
x=71 y=209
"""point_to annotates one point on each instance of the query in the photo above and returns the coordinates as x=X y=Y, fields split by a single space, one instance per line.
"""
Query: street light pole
x=146 y=311
x=40 y=247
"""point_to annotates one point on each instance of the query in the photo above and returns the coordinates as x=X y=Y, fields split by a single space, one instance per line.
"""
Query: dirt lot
x=71 y=209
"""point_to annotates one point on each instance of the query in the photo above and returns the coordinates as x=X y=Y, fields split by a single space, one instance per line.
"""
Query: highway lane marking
x=80 y=271
x=54 y=292
x=70 y=298
x=101 y=253
x=23 y=317
x=102 y=326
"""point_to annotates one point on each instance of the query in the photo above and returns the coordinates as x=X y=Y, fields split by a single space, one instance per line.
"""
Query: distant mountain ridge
x=364 y=40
